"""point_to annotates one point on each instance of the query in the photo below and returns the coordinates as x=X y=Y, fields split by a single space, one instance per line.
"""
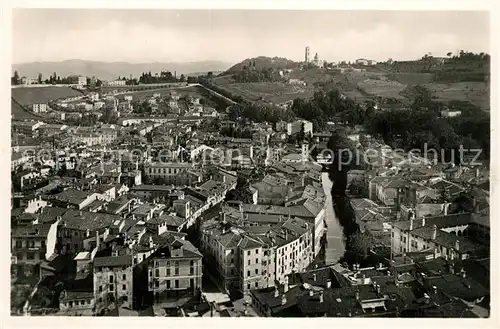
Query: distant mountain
x=112 y=70
x=263 y=62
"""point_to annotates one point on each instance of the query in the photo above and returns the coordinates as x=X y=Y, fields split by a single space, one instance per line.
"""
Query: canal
x=335 y=247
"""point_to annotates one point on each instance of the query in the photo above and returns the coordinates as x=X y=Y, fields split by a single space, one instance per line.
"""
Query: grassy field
x=474 y=92
x=19 y=113
x=411 y=79
x=32 y=95
x=275 y=92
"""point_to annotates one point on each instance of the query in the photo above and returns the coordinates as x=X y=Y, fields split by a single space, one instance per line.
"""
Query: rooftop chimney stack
x=328 y=283
x=283 y=299
x=457 y=245
x=411 y=223
x=423 y=221
x=435 y=289
x=321 y=296
x=434 y=232
x=285 y=285
x=276 y=293
x=314 y=277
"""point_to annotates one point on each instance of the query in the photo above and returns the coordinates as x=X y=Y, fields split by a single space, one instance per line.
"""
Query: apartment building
x=165 y=170
x=39 y=107
x=34 y=243
x=175 y=270
x=244 y=260
x=113 y=279
x=444 y=235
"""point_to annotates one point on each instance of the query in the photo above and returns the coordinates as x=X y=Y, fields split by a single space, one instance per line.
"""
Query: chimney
x=311 y=293
x=457 y=245
x=388 y=273
x=151 y=244
x=423 y=221
x=314 y=277
x=434 y=289
x=357 y=295
x=276 y=293
x=411 y=224
x=378 y=289
x=434 y=232
x=328 y=283
x=97 y=241
x=321 y=296
x=285 y=285
x=283 y=299
x=464 y=274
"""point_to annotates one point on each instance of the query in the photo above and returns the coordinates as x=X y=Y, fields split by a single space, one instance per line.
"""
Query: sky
x=140 y=36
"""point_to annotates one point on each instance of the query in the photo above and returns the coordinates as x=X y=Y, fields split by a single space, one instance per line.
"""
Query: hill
x=263 y=62
x=112 y=70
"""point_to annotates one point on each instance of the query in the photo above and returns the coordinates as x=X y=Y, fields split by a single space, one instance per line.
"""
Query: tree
x=182 y=78
x=40 y=79
x=15 y=78
x=358 y=188
x=360 y=244
x=449 y=54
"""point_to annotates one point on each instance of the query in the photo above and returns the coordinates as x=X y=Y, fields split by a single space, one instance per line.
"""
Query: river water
x=335 y=243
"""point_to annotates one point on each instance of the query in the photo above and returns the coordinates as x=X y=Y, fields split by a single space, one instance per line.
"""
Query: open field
x=411 y=79
x=382 y=88
x=26 y=96
x=275 y=92
x=192 y=91
x=474 y=92
x=19 y=113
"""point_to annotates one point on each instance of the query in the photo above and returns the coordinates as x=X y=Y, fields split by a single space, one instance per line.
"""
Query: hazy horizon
x=146 y=35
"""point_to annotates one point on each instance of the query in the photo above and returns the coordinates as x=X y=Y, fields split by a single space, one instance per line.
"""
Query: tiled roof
x=113 y=261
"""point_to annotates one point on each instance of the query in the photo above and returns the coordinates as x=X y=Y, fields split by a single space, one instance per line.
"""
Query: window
x=256 y=261
x=150 y=273
x=256 y=251
x=19 y=244
x=249 y=262
x=256 y=271
x=124 y=277
x=191 y=263
x=176 y=271
x=111 y=287
x=232 y=260
x=168 y=284
x=248 y=286
x=248 y=253
x=191 y=283
x=157 y=284
x=191 y=270
x=100 y=288
x=70 y=304
x=248 y=273
x=124 y=287
x=76 y=233
x=232 y=251
x=111 y=279
x=157 y=273
x=177 y=283
x=168 y=271
x=256 y=285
